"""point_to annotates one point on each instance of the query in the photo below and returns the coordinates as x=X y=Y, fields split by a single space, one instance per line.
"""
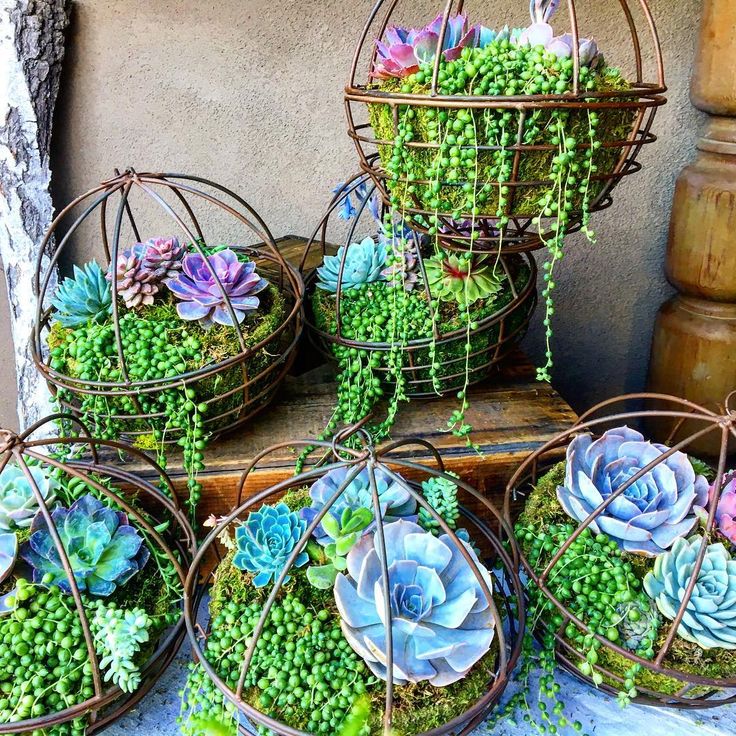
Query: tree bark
x=31 y=54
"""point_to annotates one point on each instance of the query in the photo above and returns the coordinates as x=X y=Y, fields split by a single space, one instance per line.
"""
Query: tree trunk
x=31 y=53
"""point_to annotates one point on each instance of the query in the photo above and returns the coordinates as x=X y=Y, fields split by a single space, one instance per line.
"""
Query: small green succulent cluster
x=441 y=494
x=84 y=298
x=462 y=277
x=118 y=636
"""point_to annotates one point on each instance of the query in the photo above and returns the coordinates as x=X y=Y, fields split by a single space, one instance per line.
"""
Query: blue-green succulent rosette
x=103 y=549
x=265 y=540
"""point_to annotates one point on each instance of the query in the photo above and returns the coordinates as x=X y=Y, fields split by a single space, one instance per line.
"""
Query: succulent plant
x=104 y=550
x=8 y=553
x=403 y=265
x=403 y=50
x=441 y=621
x=363 y=264
x=726 y=510
x=541 y=33
x=136 y=285
x=266 y=539
x=18 y=505
x=347 y=209
x=163 y=257
x=710 y=613
x=84 y=298
x=441 y=494
x=461 y=277
x=651 y=513
x=203 y=299
x=638 y=624
x=394 y=497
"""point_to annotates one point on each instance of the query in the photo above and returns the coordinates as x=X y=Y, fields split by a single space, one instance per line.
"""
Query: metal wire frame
x=520 y=234
x=416 y=368
x=257 y=390
x=390 y=461
x=697 y=691
x=177 y=543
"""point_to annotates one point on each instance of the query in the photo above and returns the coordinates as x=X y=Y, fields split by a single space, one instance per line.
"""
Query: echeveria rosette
x=18 y=504
x=202 y=299
x=84 y=298
x=162 y=258
x=395 y=500
x=364 y=262
x=402 y=50
x=266 y=539
x=726 y=509
x=652 y=513
x=104 y=550
x=441 y=620
x=710 y=615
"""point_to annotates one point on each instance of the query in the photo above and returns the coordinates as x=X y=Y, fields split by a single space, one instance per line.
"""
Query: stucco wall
x=250 y=93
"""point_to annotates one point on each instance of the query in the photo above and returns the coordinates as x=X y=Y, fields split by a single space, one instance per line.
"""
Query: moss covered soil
x=542 y=509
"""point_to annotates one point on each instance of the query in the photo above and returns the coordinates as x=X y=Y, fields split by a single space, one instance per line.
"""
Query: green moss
x=534 y=166
x=542 y=507
x=146 y=590
x=297 y=499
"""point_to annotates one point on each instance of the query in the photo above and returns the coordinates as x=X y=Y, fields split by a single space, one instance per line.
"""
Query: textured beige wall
x=250 y=93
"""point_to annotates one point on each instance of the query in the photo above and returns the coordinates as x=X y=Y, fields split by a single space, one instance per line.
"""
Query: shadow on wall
x=8 y=412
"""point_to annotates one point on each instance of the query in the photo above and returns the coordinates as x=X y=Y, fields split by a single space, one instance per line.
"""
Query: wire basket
x=511 y=219
x=233 y=380
x=666 y=522
x=155 y=516
x=374 y=468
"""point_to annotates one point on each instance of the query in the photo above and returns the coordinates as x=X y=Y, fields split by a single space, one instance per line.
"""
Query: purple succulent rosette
x=653 y=512
x=203 y=299
x=395 y=500
x=441 y=620
x=104 y=551
x=404 y=49
x=726 y=510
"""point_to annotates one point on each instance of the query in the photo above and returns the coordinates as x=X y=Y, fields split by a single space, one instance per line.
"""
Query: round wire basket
x=685 y=561
x=501 y=587
x=233 y=386
x=434 y=365
x=155 y=515
x=626 y=115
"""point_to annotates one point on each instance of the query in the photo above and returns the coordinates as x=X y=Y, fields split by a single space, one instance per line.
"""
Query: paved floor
x=599 y=714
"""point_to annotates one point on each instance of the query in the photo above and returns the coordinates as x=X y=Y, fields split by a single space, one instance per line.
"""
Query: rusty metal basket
x=88 y=459
x=631 y=110
x=678 y=424
x=486 y=526
x=492 y=338
x=206 y=213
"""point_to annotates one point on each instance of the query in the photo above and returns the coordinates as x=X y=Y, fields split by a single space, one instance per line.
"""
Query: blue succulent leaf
x=441 y=623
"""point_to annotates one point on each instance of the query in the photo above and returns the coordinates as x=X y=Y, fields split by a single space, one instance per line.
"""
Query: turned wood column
x=694 y=343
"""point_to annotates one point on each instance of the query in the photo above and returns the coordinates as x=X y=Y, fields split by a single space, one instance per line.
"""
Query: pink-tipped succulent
x=726 y=511
x=541 y=33
x=142 y=268
x=404 y=49
x=203 y=299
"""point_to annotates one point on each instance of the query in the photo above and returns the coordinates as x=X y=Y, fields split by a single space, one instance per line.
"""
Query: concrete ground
x=600 y=715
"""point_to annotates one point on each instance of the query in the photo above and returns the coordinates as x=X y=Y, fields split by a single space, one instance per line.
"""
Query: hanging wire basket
x=435 y=364
x=624 y=112
x=69 y=465
x=663 y=512
x=482 y=561
x=230 y=380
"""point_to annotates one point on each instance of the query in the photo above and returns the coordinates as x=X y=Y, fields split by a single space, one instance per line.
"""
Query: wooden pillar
x=694 y=344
